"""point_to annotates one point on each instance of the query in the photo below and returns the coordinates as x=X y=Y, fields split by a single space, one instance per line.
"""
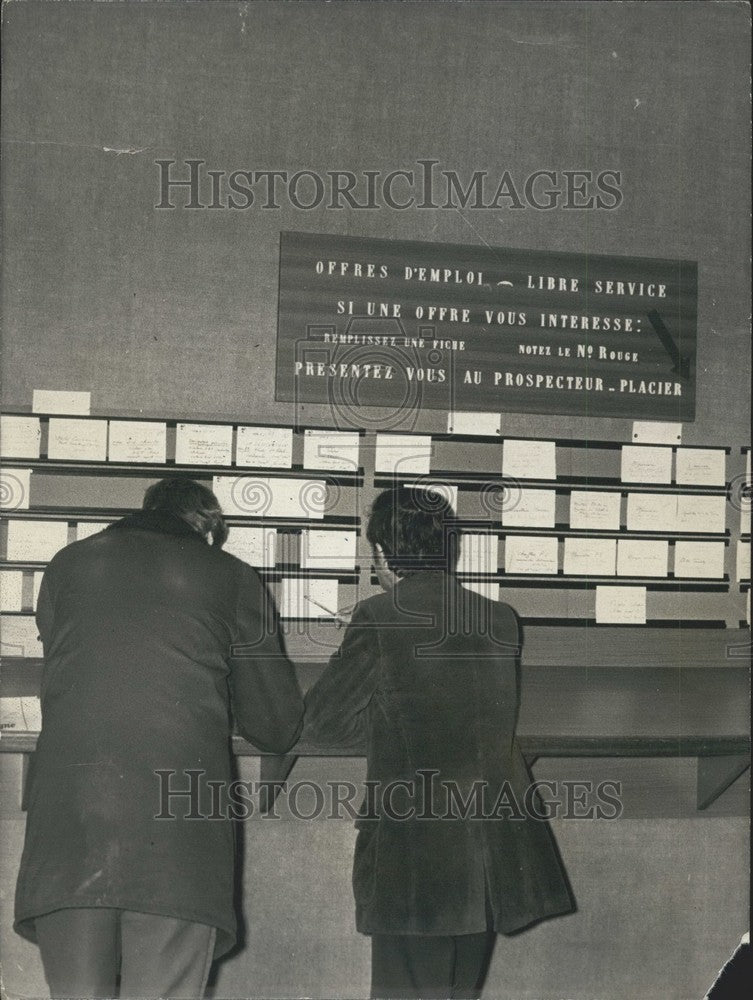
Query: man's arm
x=266 y=697
x=336 y=703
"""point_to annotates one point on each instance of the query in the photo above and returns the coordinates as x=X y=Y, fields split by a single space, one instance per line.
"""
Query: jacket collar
x=162 y=521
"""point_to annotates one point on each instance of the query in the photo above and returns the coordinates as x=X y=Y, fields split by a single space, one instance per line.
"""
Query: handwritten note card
x=20 y=715
x=531 y=554
x=596 y=511
x=524 y=508
x=264 y=447
x=11 y=590
x=35 y=541
x=138 y=441
x=477 y=424
x=642 y=557
x=256 y=546
x=19 y=636
x=337 y=450
x=652 y=512
x=308 y=598
x=328 y=550
x=478 y=553
x=15 y=489
x=402 y=454
x=590 y=556
x=645 y=464
x=20 y=437
x=620 y=605
x=55 y=401
x=700 y=560
x=702 y=514
x=701 y=466
x=71 y=439
x=204 y=444
x=243 y=496
x=525 y=459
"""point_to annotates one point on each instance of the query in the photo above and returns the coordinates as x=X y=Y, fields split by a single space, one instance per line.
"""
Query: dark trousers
x=432 y=968
x=85 y=949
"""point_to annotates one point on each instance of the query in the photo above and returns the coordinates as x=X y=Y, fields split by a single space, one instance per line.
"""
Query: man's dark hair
x=196 y=504
x=414 y=528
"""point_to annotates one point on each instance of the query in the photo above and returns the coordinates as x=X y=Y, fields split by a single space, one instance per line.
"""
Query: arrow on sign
x=680 y=364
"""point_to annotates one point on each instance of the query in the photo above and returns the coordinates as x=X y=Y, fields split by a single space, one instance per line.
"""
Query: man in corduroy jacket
x=449 y=850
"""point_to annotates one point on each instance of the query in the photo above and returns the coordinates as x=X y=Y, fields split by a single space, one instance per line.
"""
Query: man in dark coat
x=451 y=847
x=151 y=637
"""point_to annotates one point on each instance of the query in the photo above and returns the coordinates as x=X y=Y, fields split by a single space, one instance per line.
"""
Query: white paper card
x=15 y=489
x=646 y=464
x=35 y=541
x=488 y=589
x=590 y=557
x=656 y=432
x=701 y=560
x=701 y=514
x=402 y=454
x=264 y=447
x=531 y=554
x=595 y=510
x=642 y=557
x=297 y=498
x=744 y=516
x=308 y=598
x=478 y=553
x=328 y=550
x=19 y=636
x=54 y=401
x=701 y=466
x=137 y=441
x=337 y=450
x=526 y=459
x=11 y=589
x=529 y=509
x=478 y=424
x=20 y=437
x=204 y=444
x=743 y=560
x=652 y=512
x=85 y=529
x=20 y=715
x=37 y=587
x=243 y=496
x=256 y=546
x=621 y=605
x=77 y=440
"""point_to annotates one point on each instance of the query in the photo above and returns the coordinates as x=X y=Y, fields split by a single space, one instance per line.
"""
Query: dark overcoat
x=137 y=624
x=448 y=840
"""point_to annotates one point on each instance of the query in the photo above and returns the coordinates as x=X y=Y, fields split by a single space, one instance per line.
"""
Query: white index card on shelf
x=138 y=441
x=642 y=557
x=204 y=444
x=594 y=510
x=20 y=437
x=402 y=454
x=243 y=496
x=19 y=636
x=701 y=466
x=701 y=514
x=702 y=560
x=35 y=541
x=328 y=549
x=256 y=546
x=77 y=404
x=20 y=715
x=642 y=464
x=620 y=605
x=743 y=561
x=11 y=589
x=652 y=512
x=297 y=498
x=72 y=439
x=85 y=529
x=335 y=450
x=525 y=508
x=656 y=432
x=478 y=553
x=477 y=424
x=15 y=489
x=531 y=554
x=526 y=459
x=303 y=598
x=590 y=557
x=264 y=447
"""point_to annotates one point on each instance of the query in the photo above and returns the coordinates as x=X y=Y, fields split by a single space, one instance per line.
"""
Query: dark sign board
x=450 y=327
